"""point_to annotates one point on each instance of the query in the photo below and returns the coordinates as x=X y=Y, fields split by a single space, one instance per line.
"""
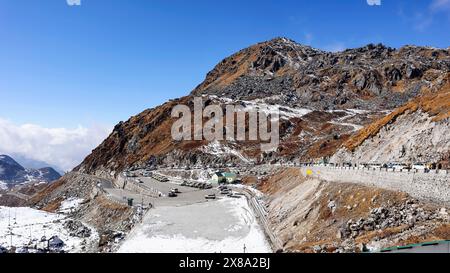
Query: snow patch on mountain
x=216 y=148
x=269 y=109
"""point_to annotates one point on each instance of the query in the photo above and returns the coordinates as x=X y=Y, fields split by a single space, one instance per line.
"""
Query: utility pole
x=10 y=228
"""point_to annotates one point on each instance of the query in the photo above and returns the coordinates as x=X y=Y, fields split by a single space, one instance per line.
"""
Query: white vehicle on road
x=418 y=166
x=399 y=166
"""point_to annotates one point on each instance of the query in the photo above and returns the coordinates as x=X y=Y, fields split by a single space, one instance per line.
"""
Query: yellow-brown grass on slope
x=437 y=105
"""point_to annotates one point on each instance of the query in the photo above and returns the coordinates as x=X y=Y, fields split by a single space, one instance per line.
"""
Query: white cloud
x=62 y=147
x=374 y=2
x=440 y=5
x=73 y=2
x=422 y=20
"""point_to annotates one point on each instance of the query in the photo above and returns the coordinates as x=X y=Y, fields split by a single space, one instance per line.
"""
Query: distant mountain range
x=29 y=163
x=12 y=173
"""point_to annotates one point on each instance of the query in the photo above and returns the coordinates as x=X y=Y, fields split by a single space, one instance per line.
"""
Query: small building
x=223 y=178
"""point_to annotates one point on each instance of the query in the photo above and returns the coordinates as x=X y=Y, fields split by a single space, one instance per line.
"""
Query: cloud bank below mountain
x=61 y=147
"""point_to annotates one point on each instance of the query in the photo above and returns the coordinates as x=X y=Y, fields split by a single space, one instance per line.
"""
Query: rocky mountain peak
x=7 y=160
x=374 y=76
x=12 y=173
x=9 y=167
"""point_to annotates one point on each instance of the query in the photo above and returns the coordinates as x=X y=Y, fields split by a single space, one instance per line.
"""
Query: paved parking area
x=187 y=196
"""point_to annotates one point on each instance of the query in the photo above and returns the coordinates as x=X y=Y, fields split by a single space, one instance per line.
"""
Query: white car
x=398 y=167
x=418 y=167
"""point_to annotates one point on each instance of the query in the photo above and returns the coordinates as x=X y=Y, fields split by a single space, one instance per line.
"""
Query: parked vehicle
x=233 y=195
x=399 y=166
x=210 y=196
x=418 y=166
x=172 y=194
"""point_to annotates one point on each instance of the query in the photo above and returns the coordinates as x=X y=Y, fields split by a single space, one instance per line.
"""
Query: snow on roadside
x=29 y=225
x=255 y=240
x=256 y=192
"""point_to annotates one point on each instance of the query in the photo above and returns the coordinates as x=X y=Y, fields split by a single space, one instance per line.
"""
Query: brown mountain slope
x=317 y=93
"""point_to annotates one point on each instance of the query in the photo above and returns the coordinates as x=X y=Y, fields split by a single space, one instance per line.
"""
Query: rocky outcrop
x=77 y=229
x=381 y=218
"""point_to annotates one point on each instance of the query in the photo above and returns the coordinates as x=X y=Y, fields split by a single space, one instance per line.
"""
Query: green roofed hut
x=223 y=178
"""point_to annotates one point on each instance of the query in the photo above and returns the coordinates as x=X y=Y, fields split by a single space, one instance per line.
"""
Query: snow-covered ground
x=69 y=205
x=28 y=226
x=3 y=185
x=227 y=226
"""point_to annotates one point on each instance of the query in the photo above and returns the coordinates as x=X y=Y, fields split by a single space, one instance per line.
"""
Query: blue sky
x=96 y=64
x=108 y=59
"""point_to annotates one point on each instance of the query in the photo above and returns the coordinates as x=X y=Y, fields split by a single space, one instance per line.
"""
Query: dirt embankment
x=310 y=215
